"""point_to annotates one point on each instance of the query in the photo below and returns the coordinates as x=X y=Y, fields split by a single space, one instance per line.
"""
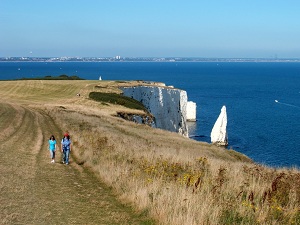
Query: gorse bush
x=118 y=99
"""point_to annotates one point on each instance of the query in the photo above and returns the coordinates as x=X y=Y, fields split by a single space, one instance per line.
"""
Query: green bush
x=117 y=99
x=48 y=77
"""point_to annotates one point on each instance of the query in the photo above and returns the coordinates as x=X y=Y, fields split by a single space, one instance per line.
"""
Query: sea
x=262 y=98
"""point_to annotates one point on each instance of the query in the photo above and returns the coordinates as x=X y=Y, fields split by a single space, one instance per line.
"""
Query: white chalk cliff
x=219 y=132
x=167 y=105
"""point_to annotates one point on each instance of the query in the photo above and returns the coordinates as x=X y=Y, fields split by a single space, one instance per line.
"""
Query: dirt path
x=34 y=191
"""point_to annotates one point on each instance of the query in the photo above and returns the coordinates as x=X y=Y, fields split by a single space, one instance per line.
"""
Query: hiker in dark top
x=66 y=148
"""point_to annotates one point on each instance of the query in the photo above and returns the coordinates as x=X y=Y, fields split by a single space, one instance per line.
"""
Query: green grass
x=229 y=216
x=118 y=99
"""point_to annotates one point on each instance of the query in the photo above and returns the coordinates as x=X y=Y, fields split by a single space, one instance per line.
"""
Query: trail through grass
x=171 y=178
x=34 y=191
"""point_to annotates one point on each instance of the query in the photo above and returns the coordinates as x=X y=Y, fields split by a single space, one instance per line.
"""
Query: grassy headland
x=60 y=77
x=171 y=178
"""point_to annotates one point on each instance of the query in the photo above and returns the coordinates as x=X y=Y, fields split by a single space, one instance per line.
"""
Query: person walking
x=52 y=148
x=66 y=148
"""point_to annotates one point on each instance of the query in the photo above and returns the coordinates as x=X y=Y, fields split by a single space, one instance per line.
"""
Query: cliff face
x=167 y=105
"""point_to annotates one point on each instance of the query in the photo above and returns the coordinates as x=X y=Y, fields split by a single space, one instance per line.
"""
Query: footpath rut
x=35 y=191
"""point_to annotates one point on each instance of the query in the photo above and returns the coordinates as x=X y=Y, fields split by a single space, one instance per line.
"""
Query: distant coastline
x=142 y=59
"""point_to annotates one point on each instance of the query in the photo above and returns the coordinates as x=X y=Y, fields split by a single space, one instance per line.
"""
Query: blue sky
x=140 y=28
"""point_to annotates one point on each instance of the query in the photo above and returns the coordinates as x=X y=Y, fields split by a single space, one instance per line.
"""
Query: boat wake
x=282 y=103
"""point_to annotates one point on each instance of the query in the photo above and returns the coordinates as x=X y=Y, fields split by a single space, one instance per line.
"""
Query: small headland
x=154 y=173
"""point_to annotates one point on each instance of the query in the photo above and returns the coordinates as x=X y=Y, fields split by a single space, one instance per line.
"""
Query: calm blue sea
x=258 y=126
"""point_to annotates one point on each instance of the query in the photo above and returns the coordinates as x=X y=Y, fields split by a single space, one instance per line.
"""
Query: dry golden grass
x=175 y=179
x=181 y=181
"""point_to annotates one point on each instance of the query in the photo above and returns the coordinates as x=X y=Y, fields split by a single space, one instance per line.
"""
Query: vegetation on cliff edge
x=61 y=77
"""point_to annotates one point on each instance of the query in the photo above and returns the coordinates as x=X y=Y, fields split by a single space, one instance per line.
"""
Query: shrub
x=118 y=99
x=48 y=77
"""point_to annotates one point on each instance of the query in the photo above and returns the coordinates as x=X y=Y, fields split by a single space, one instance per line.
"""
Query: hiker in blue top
x=52 y=148
x=66 y=148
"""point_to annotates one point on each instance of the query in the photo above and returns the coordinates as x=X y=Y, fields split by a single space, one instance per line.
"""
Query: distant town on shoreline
x=142 y=59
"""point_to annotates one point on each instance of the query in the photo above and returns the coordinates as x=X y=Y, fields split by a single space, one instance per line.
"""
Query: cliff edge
x=166 y=104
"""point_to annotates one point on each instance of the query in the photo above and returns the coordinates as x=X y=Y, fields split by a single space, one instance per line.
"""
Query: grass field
x=34 y=191
x=122 y=172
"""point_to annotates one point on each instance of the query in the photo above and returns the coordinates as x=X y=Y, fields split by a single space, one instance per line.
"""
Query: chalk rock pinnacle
x=219 y=133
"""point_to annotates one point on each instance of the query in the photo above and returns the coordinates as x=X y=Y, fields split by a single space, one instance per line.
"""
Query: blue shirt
x=66 y=143
x=52 y=144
